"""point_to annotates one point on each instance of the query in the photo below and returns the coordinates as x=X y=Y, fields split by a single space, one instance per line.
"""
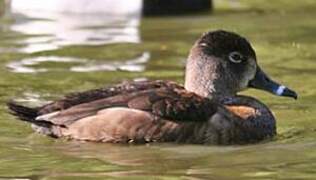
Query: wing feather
x=105 y=92
x=166 y=101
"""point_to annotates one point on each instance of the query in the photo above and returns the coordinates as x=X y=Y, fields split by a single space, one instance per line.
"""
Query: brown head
x=223 y=63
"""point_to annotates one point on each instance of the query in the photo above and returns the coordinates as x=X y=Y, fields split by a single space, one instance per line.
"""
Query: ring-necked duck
x=207 y=110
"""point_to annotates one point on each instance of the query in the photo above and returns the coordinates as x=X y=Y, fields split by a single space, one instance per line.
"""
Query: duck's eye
x=235 y=57
x=203 y=44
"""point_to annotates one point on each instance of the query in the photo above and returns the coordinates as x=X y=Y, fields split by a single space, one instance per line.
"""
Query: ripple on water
x=28 y=65
x=132 y=65
x=32 y=99
x=51 y=24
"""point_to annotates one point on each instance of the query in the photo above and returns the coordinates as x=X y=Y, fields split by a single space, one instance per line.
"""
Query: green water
x=284 y=36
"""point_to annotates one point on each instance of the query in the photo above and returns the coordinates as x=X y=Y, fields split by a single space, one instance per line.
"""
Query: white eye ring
x=235 y=57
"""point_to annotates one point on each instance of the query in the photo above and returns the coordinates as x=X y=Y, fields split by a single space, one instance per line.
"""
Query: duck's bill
x=263 y=82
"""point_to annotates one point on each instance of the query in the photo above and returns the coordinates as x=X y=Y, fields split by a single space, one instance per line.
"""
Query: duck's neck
x=202 y=76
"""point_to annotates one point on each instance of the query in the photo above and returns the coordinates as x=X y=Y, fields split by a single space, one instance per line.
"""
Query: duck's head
x=223 y=63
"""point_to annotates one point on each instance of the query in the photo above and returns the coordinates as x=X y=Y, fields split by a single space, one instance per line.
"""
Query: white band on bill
x=280 y=90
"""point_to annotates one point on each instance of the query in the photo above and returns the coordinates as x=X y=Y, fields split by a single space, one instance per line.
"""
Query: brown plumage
x=205 y=111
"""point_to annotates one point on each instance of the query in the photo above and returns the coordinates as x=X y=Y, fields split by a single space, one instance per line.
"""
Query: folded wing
x=165 y=100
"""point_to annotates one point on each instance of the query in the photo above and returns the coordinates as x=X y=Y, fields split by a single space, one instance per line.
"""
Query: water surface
x=37 y=68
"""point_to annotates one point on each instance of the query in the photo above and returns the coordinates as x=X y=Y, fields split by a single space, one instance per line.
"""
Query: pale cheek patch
x=280 y=90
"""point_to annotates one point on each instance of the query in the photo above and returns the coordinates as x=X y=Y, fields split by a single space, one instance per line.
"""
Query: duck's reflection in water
x=144 y=161
x=134 y=160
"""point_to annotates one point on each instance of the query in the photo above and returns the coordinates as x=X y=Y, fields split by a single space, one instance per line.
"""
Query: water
x=282 y=32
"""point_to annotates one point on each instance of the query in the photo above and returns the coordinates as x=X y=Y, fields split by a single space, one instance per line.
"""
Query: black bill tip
x=289 y=93
x=284 y=91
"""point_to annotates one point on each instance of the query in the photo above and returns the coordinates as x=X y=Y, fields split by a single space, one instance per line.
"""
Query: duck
x=206 y=110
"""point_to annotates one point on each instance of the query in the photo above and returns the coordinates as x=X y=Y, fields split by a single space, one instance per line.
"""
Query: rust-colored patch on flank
x=242 y=111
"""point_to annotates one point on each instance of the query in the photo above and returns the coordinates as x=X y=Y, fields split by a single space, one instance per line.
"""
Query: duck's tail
x=22 y=112
x=29 y=115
